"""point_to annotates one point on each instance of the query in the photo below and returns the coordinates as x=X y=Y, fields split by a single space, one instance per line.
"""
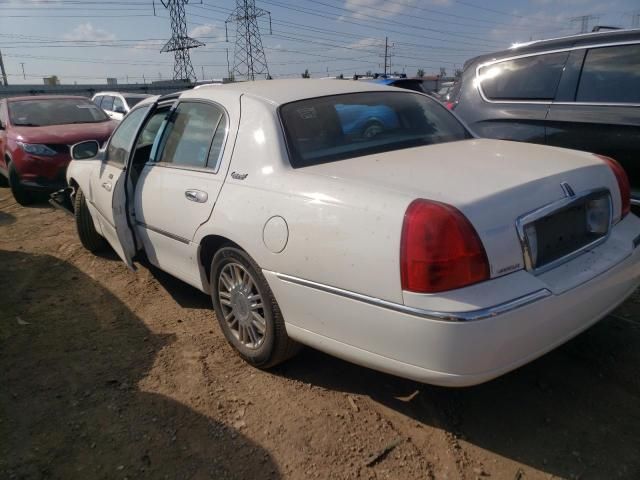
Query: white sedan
x=364 y=221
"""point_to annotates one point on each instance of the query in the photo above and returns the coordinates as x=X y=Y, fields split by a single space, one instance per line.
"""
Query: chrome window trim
x=548 y=52
x=468 y=316
x=551 y=208
x=207 y=168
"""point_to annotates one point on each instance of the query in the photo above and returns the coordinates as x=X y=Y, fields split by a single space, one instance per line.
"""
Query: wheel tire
x=89 y=237
x=275 y=346
x=22 y=196
x=4 y=181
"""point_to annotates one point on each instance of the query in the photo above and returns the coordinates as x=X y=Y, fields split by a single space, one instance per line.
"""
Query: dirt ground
x=107 y=373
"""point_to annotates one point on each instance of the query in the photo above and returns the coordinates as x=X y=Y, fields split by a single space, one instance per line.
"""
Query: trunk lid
x=491 y=182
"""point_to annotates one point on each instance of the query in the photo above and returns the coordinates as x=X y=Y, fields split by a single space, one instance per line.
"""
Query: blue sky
x=85 y=41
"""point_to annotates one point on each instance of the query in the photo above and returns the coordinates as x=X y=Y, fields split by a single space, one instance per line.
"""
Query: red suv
x=36 y=134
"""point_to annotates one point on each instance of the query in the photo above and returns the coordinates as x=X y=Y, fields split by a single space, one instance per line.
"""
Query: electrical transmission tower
x=584 y=22
x=180 y=42
x=387 y=56
x=249 y=58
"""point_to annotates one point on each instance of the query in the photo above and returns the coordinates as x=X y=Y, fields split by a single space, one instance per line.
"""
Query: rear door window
x=107 y=103
x=528 y=78
x=118 y=103
x=611 y=75
x=98 y=100
x=188 y=137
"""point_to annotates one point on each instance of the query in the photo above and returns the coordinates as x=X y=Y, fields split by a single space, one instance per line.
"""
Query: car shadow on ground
x=573 y=413
x=6 y=219
x=182 y=293
x=71 y=359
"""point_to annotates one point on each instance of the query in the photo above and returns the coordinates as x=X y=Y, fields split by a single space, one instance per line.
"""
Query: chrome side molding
x=469 y=316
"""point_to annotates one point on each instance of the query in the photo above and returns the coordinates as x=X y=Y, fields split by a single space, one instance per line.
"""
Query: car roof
x=580 y=40
x=47 y=97
x=279 y=92
x=124 y=94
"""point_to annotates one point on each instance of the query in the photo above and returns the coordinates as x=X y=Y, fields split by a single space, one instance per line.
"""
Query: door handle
x=196 y=196
x=107 y=186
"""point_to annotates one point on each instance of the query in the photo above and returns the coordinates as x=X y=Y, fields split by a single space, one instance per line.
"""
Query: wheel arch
x=209 y=246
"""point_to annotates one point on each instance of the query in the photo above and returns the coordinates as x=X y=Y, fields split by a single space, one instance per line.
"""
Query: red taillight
x=623 y=184
x=440 y=250
x=450 y=105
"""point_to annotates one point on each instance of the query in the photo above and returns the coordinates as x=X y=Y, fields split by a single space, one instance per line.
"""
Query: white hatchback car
x=116 y=105
x=412 y=247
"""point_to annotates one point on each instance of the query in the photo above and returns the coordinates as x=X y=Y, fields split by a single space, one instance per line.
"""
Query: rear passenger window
x=189 y=137
x=118 y=103
x=611 y=75
x=107 y=103
x=529 y=78
x=98 y=100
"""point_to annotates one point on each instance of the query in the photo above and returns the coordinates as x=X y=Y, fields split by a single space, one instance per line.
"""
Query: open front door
x=109 y=186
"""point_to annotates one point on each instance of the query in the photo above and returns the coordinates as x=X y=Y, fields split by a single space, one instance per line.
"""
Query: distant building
x=52 y=80
x=112 y=81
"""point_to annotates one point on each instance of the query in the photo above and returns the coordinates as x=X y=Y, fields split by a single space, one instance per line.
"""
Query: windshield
x=131 y=101
x=58 y=111
x=337 y=127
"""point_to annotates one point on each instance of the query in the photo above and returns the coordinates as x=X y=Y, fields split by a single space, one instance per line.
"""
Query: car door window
x=118 y=104
x=122 y=139
x=217 y=146
x=528 y=78
x=611 y=75
x=189 y=134
x=98 y=100
x=107 y=103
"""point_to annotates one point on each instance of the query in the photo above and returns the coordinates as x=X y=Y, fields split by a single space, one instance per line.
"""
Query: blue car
x=366 y=121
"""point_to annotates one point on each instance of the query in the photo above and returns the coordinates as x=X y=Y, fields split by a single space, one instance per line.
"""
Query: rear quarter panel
x=339 y=234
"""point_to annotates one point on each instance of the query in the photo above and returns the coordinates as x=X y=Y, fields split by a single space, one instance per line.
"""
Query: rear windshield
x=38 y=113
x=131 y=101
x=338 y=127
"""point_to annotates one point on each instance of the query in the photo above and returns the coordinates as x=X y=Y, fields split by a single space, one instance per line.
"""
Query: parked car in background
x=580 y=92
x=415 y=84
x=421 y=251
x=117 y=105
x=444 y=92
x=36 y=134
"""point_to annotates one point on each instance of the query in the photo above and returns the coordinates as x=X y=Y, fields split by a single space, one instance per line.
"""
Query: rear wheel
x=247 y=311
x=4 y=181
x=22 y=196
x=89 y=236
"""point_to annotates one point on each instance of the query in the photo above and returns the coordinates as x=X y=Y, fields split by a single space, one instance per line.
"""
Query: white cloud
x=86 y=31
x=209 y=31
x=383 y=9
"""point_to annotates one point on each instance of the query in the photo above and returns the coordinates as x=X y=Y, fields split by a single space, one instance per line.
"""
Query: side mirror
x=85 y=150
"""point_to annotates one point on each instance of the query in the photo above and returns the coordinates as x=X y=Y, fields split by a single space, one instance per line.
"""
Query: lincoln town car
x=414 y=248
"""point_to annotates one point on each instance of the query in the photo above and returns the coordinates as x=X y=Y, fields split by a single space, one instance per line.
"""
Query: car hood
x=493 y=182
x=67 y=134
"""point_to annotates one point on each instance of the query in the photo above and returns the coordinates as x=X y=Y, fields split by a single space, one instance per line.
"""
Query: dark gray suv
x=580 y=92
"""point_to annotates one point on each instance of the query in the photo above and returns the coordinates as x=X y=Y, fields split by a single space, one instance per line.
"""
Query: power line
x=584 y=22
x=371 y=18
